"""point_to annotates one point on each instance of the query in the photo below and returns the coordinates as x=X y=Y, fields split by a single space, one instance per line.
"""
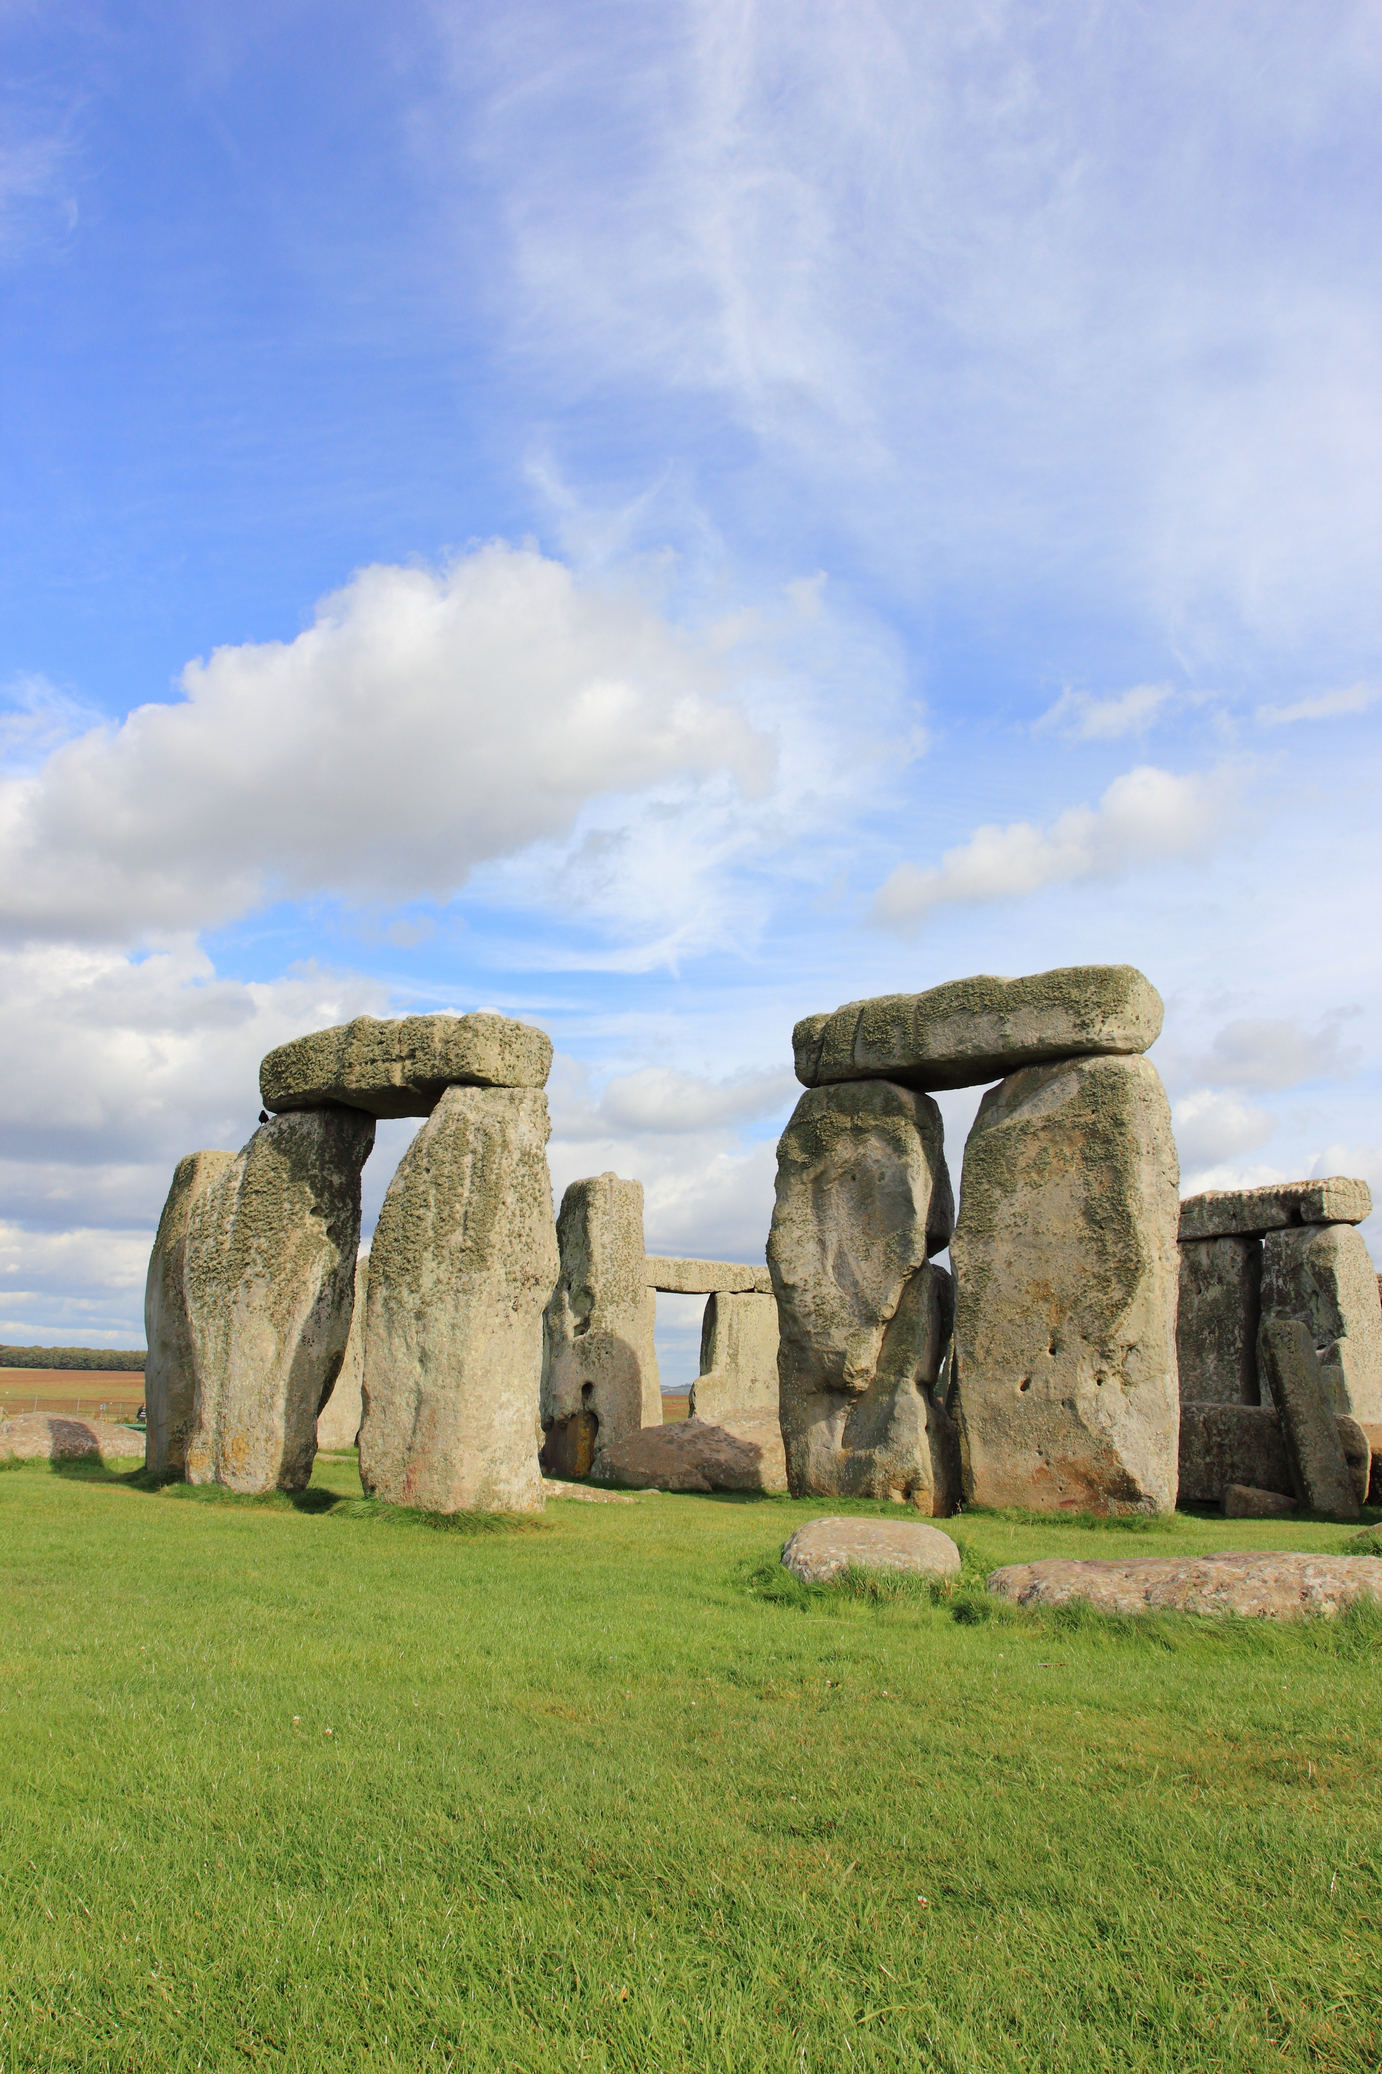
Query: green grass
x=609 y=1791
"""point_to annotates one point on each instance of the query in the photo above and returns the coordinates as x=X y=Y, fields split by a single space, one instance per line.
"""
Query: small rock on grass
x=823 y=1547
x=1242 y=1501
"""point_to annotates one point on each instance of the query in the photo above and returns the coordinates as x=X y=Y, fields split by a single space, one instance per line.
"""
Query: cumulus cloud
x=1326 y=705
x=1278 y=1052
x=660 y=1099
x=1211 y=1127
x=1081 y=716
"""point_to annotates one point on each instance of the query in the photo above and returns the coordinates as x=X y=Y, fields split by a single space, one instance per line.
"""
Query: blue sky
x=660 y=520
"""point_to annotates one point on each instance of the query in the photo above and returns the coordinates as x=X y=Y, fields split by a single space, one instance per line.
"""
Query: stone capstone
x=972 y=1030
x=739 y=1342
x=339 y=1421
x=1314 y=1452
x=824 y=1547
x=1268 y=1586
x=599 y=1363
x=863 y=1198
x=1222 y=1211
x=400 y=1068
x=1323 y=1276
x=53 y=1437
x=705 y=1277
x=1240 y=1501
x=1216 y=1323
x=169 y=1384
x=463 y=1261
x=740 y=1452
x=1066 y=1276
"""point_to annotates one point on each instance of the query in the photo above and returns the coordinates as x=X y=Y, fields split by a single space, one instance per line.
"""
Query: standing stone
x=1216 y=1324
x=599 y=1370
x=739 y=1343
x=463 y=1262
x=1066 y=1279
x=270 y=1280
x=340 y=1419
x=1223 y=1444
x=863 y=1197
x=169 y=1383
x=1314 y=1449
x=1323 y=1275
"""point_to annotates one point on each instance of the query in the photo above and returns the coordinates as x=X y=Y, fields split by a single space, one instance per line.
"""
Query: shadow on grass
x=316 y=1502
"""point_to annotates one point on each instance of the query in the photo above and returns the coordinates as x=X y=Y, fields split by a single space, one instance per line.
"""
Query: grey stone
x=1322 y=1274
x=339 y=1422
x=1066 y=1274
x=1371 y=1431
x=740 y=1452
x=269 y=1271
x=463 y=1262
x=705 y=1277
x=1266 y=1586
x=169 y=1382
x=599 y=1364
x=400 y=1068
x=1356 y=1441
x=1319 y=1471
x=1222 y=1211
x=972 y=1030
x=1217 y=1319
x=1222 y=1444
x=53 y=1437
x=824 y=1547
x=863 y=1196
x=1240 y=1501
x=739 y=1343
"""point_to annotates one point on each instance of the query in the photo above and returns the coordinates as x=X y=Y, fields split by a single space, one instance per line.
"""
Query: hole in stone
x=1026 y=1383
x=1054 y=1347
x=587 y=1392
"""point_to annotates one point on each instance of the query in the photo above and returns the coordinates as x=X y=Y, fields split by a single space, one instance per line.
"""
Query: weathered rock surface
x=554 y=1487
x=863 y=1197
x=400 y=1068
x=705 y=1277
x=1240 y=1501
x=1066 y=1274
x=599 y=1364
x=972 y=1030
x=169 y=1383
x=1216 y=1324
x=1322 y=1275
x=1220 y=1211
x=1223 y=1444
x=339 y=1421
x=1319 y=1472
x=269 y=1271
x=1267 y=1586
x=739 y=1343
x=53 y=1437
x=824 y=1547
x=463 y=1262
x=740 y=1452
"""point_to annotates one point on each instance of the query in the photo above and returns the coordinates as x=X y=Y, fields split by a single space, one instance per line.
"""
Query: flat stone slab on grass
x=741 y=1452
x=824 y=1547
x=554 y=1487
x=400 y=1068
x=50 y=1437
x=1221 y=1212
x=1270 y=1585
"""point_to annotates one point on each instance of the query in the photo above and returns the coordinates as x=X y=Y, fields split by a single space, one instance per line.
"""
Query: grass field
x=320 y=1788
x=71 y=1390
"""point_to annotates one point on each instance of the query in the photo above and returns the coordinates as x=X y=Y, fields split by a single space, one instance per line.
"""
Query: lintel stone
x=401 y=1068
x=706 y=1277
x=1226 y=1212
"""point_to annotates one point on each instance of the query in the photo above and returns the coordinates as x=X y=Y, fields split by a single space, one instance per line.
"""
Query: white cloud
x=1082 y=717
x=1277 y=1052
x=1211 y=1127
x=1327 y=705
x=659 y=1099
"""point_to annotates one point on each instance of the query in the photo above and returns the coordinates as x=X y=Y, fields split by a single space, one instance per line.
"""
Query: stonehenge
x=599 y=1365
x=169 y=1383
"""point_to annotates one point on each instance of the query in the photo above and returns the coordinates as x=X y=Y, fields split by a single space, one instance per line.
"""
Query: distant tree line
x=74 y=1357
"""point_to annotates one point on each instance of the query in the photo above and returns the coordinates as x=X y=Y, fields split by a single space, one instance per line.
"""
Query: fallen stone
x=824 y=1547
x=169 y=1382
x=463 y=1262
x=1240 y=1501
x=1257 y=1586
x=741 y=1452
x=400 y=1068
x=1220 y=1212
x=1319 y=1472
x=972 y=1030
x=54 y=1437
x=599 y=1368
x=705 y=1277
x=1322 y=1275
x=1066 y=1275
x=739 y=1342
x=269 y=1271
x=1216 y=1323
x=339 y=1421
x=553 y=1487
x=863 y=1197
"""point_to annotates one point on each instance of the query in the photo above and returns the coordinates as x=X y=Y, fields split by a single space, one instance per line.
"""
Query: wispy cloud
x=1083 y=716
x=1326 y=705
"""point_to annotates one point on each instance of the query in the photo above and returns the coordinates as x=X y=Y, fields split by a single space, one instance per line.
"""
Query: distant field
x=675 y=1406
x=71 y=1390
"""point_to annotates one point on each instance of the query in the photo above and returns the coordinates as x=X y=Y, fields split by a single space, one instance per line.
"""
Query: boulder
x=1240 y=1501
x=1322 y=1275
x=1266 y=1586
x=169 y=1383
x=269 y=1271
x=1066 y=1276
x=1216 y=1323
x=824 y=1547
x=705 y=1277
x=739 y=1342
x=1320 y=1474
x=400 y=1068
x=1219 y=1212
x=740 y=1452
x=339 y=1421
x=463 y=1262
x=599 y=1365
x=54 y=1437
x=972 y=1030
x=863 y=1197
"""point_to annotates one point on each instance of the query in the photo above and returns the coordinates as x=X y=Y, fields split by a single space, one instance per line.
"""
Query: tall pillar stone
x=169 y=1381
x=269 y=1274
x=739 y=1347
x=1217 y=1319
x=463 y=1262
x=339 y=1421
x=1322 y=1275
x=1066 y=1279
x=599 y=1374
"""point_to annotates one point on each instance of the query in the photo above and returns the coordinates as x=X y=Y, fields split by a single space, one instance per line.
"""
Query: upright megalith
x=599 y=1369
x=1322 y=1276
x=1217 y=1320
x=1066 y=1272
x=739 y=1347
x=863 y=1200
x=401 y=1068
x=1314 y=1447
x=269 y=1275
x=169 y=1381
x=339 y=1420
x=463 y=1262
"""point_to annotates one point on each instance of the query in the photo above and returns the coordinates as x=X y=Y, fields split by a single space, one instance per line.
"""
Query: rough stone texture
x=740 y=1452
x=1220 y=1211
x=705 y=1277
x=1372 y=1433
x=1240 y=1501
x=1319 y=1471
x=340 y=1418
x=169 y=1384
x=1066 y=1276
x=739 y=1343
x=1222 y=1444
x=1356 y=1441
x=52 y=1437
x=973 y=1030
x=1267 y=1586
x=269 y=1272
x=553 y=1487
x=863 y=1197
x=463 y=1262
x=1322 y=1274
x=824 y=1547
x=400 y=1068
x=1216 y=1323
x=599 y=1361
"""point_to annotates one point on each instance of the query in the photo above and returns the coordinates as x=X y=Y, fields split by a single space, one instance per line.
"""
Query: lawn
x=295 y=1788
